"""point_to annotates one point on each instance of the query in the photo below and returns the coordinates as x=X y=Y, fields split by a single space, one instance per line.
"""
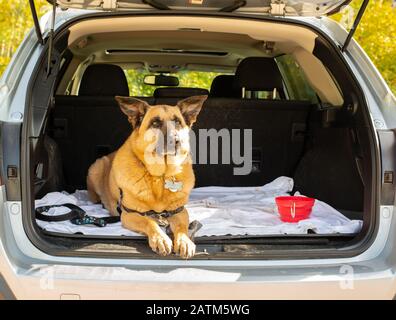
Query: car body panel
x=31 y=273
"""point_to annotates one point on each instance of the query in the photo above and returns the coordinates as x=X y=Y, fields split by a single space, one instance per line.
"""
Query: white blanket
x=221 y=210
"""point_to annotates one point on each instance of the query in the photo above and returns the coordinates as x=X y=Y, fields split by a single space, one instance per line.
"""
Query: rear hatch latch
x=278 y=8
x=109 y=4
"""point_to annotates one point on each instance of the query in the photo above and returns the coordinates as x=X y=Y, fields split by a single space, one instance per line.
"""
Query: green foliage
x=195 y=79
x=15 y=22
x=377 y=35
x=295 y=79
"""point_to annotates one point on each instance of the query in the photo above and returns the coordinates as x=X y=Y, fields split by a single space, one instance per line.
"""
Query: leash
x=78 y=216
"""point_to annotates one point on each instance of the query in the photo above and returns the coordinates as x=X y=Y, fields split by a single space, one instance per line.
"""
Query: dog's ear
x=134 y=108
x=190 y=108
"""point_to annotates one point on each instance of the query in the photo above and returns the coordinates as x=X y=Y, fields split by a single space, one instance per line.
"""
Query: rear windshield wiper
x=156 y=4
x=232 y=7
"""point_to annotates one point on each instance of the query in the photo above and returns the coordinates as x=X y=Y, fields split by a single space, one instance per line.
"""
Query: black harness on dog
x=159 y=217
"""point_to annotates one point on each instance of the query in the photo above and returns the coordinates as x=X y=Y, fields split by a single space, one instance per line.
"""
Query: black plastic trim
x=9 y=140
x=311 y=237
x=387 y=141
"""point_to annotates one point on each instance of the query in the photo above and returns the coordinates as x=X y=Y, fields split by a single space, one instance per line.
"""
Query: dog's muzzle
x=169 y=146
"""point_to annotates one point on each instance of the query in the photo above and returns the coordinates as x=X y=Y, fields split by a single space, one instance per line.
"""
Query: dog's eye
x=156 y=123
x=176 y=120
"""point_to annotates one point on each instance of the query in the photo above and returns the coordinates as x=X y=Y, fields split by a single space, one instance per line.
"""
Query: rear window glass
x=190 y=79
x=296 y=83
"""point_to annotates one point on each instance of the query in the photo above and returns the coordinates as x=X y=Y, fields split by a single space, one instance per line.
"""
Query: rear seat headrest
x=223 y=87
x=258 y=74
x=179 y=92
x=103 y=80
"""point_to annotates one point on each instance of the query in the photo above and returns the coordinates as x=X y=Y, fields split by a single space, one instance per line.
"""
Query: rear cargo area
x=293 y=151
x=300 y=145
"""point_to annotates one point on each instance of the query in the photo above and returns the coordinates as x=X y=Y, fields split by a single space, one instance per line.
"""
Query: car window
x=188 y=78
x=268 y=95
x=296 y=83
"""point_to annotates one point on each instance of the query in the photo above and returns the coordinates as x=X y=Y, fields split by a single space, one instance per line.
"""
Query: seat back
x=255 y=74
x=172 y=95
x=277 y=128
x=86 y=128
x=223 y=87
x=91 y=124
x=103 y=80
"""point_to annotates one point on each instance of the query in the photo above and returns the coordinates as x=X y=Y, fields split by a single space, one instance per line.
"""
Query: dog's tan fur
x=142 y=181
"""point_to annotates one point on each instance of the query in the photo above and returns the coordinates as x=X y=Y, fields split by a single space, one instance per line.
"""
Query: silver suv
x=319 y=111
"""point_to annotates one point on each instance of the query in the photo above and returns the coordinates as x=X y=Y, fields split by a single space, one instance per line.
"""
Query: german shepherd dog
x=151 y=173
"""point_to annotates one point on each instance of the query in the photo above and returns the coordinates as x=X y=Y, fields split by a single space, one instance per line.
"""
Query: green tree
x=377 y=36
x=15 y=22
x=197 y=79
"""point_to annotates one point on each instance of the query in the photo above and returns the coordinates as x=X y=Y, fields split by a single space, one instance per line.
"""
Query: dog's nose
x=176 y=139
x=172 y=142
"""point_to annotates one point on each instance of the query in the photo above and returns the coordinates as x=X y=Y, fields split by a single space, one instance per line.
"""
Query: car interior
x=282 y=81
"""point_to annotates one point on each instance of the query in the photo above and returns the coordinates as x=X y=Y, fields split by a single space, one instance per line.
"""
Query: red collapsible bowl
x=300 y=206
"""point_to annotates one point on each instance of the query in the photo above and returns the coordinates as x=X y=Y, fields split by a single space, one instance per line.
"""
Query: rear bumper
x=71 y=282
x=32 y=274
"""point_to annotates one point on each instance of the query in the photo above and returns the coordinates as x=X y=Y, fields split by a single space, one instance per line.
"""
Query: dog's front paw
x=184 y=246
x=160 y=243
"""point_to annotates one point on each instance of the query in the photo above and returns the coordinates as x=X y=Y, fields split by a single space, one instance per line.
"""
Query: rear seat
x=278 y=126
x=223 y=87
x=87 y=127
x=255 y=74
x=171 y=95
x=91 y=124
x=278 y=138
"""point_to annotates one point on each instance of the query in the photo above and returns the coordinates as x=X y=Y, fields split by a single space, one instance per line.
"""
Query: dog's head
x=160 y=136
